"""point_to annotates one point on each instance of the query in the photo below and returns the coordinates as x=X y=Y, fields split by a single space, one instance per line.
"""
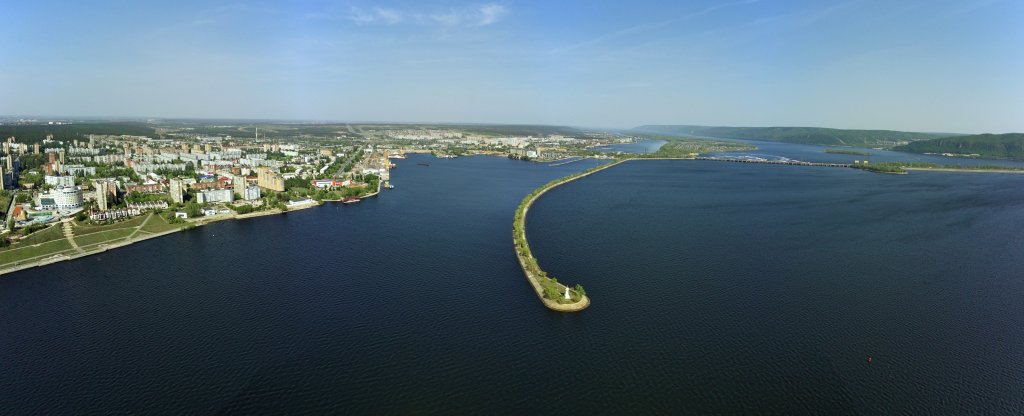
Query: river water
x=716 y=287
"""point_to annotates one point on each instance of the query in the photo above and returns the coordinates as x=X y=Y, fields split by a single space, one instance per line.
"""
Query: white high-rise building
x=102 y=195
x=177 y=190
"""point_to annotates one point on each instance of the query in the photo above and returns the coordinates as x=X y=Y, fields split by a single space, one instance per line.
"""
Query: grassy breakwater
x=901 y=168
x=550 y=291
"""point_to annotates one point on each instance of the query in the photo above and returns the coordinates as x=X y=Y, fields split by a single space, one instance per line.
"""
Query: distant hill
x=999 y=146
x=801 y=135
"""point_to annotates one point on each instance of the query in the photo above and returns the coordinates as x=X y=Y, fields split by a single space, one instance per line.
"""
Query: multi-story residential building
x=177 y=190
x=59 y=180
x=251 y=193
x=76 y=170
x=103 y=189
x=216 y=195
x=240 y=184
x=145 y=188
x=269 y=179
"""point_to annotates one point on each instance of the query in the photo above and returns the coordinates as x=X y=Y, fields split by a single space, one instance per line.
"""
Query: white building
x=78 y=170
x=215 y=195
x=103 y=193
x=177 y=190
x=252 y=193
x=59 y=180
x=62 y=198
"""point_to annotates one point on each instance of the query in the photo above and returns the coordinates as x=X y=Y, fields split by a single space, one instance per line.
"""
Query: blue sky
x=952 y=66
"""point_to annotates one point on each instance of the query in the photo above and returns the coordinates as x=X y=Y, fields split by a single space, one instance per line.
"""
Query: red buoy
x=869 y=359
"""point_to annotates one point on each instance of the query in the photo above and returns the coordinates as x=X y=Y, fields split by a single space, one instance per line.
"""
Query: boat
x=423 y=164
x=350 y=200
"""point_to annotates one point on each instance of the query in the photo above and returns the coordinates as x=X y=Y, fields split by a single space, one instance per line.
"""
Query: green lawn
x=26 y=252
x=102 y=237
x=158 y=225
x=89 y=229
x=54 y=232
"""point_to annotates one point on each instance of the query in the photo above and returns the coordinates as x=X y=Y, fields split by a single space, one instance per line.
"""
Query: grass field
x=54 y=232
x=89 y=229
x=27 y=252
x=51 y=241
x=158 y=224
x=103 y=237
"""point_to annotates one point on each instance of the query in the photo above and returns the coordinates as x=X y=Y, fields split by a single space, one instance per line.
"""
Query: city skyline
x=946 y=66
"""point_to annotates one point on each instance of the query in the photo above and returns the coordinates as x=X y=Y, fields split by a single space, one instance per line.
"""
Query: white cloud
x=451 y=18
x=481 y=15
x=389 y=16
x=491 y=13
x=359 y=16
x=377 y=15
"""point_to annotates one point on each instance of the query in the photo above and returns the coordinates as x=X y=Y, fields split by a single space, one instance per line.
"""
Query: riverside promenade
x=526 y=257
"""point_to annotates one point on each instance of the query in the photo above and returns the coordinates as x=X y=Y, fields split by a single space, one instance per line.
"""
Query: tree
x=193 y=209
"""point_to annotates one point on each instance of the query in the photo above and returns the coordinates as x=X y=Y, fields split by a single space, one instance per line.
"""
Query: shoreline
x=103 y=247
x=198 y=222
x=964 y=170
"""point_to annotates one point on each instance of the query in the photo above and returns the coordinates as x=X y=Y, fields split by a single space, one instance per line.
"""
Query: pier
x=567 y=161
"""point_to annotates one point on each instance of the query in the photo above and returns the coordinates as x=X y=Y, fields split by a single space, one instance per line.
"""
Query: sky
x=936 y=65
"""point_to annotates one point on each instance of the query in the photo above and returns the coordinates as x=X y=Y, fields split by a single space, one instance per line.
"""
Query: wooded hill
x=800 y=135
x=999 y=146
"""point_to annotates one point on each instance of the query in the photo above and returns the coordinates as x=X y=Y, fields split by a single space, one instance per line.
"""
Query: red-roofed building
x=19 y=213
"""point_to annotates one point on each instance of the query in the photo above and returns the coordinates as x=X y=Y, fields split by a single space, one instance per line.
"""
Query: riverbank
x=966 y=170
x=138 y=235
x=548 y=289
x=48 y=259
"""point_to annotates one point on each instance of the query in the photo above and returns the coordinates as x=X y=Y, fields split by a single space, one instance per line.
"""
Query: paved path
x=70 y=235
x=139 y=228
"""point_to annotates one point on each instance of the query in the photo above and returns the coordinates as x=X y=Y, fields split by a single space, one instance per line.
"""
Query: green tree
x=193 y=209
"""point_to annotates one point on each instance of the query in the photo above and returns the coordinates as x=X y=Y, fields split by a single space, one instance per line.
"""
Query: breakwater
x=550 y=291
